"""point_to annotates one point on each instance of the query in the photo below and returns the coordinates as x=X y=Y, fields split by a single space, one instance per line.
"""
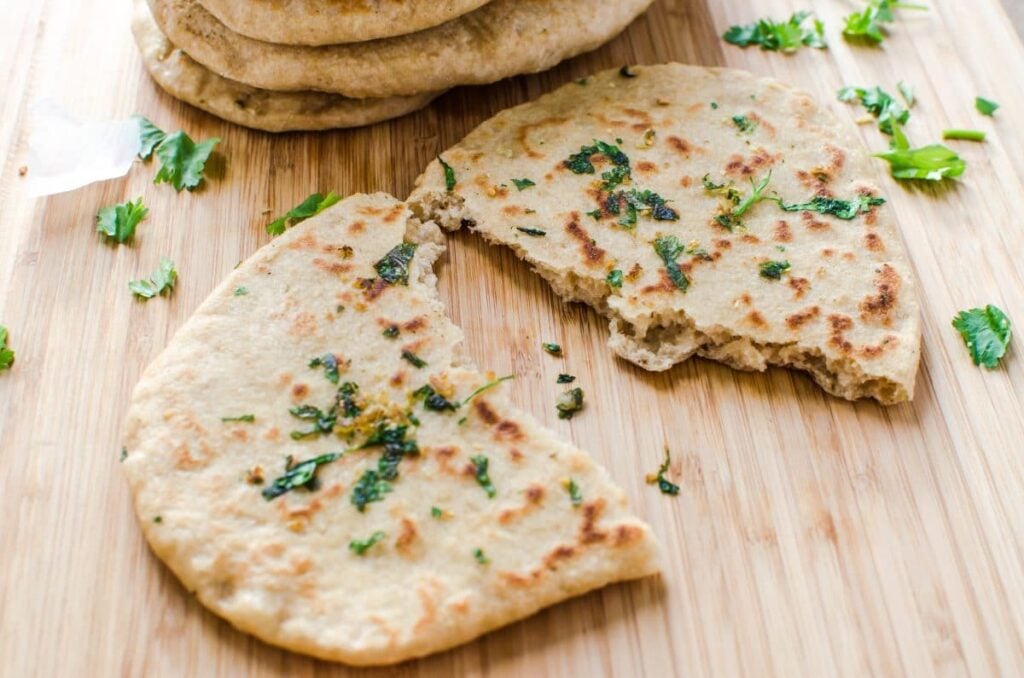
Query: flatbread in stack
x=317 y=459
x=327 y=22
x=501 y=39
x=633 y=192
x=183 y=78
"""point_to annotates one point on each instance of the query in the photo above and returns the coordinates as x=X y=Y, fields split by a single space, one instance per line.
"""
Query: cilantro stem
x=488 y=385
x=965 y=134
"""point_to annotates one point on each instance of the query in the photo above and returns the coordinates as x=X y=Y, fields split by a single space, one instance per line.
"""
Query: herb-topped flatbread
x=316 y=458
x=704 y=211
x=183 y=78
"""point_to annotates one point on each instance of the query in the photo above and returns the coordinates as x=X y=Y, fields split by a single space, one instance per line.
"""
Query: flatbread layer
x=181 y=77
x=327 y=22
x=315 y=457
x=633 y=191
x=501 y=39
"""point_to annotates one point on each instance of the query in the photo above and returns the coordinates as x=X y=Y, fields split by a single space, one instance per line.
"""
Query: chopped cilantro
x=629 y=203
x=6 y=353
x=987 y=332
x=569 y=403
x=182 y=161
x=575 y=496
x=329 y=362
x=369 y=488
x=614 y=278
x=784 y=36
x=394 y=267
x=310 y=207
x=150 y=135
x=486 y=387
x=523 y=184
x=241 y=291
x=756 y=195
x=596 y=214
x=714 y=106
x=480 y=464
x=565 y=379
x=361 y=546
x=436 y=512
x=934 y=162
x=391 y=331
x=744 y=123
x=552 y=349
x=709 y=185
x=162 y=280
x=867 y=24
x=413 y=359
x=878 y=103
x=432 y=400
x=480 y=557
x=580 y=163
x=627 y=72
x=534 y=232
x=664 y=484
x=247 y=418
x=985 y=106
x=375 y=483
x=844 y=209
x=963 y=134
x=302 y=474
x=158 y=519
x=773 y=270
x=119 y=221
x=323 y=422
x=669 y=248
x=449 y=175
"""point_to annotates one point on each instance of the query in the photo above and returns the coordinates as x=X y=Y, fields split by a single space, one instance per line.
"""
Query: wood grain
x=811 y=537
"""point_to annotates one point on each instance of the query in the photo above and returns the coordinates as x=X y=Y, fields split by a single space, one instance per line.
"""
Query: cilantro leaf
x=449 y=175
x=6 y=353
x=878 y=103
x=773 y=270
x=432 y=400
x=150 y=135
x=565 y=379
x=744 y=123
x=533 y=232
x=310 y=207
x=361 y=546
x=784 y=36
x=985 y=106
x=162 y=280
x=413 y=359
x=394 y=267
x=523 y=184
x=843 y=209
x=302 y=474
x=483 y=478
x=119 y=221
x=182 y=160
x=575 y=496
x=614 y=278
x=242 y=418
x=569 y=403
x=867 y=24
x=756 y=195
x=934 y=162
x=669 y=248
x=478 y=554
x=987 y=332
x=581 y=163
x=664 y=484
x=486 y=387
x=329 y=362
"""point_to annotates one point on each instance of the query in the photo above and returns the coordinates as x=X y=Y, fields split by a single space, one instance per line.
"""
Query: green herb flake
x=6 y=353
x=523 y=184
x=627 y=72
x=669 y=248
x=480 y=557
x=413 y=359
x=628 y=204
x=361 y=546
x=779 y=36
x=963 y=134
x=581 y=163
x=565 y=379
x=744 y=123
x=329 y=362
x=158 y=519
x=434 y=401
x=241 y=291
x=533 y=232
x=486 y=387
x=150 y=135
x=934 y=162
x=756 y=195
x=310 y=207
x=394 y=267
x=302 y=474
x=569 y=403
x=551 y=349
x=182 y=161
x=124 y=453
x=773 y=270
x=985 y=106
x=375 y=483
x=391 y=331
x=480 y=465
x=575 y=496
x=119 y=221
x=449 y=175
x=436 y=513
x=664 y=484
x=986 y=332
x=614 y=278
x=843 y=209
x=879 y=103
x=714 y=106
x=246 y=418
x=162 y=280
x=867 y=24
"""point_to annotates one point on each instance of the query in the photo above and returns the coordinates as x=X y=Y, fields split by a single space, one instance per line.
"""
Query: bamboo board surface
x=812 y=536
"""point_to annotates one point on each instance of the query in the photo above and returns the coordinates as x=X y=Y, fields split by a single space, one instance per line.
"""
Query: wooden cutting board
x=811 y=537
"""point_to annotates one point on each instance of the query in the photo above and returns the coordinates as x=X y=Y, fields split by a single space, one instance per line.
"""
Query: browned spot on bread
x=762 y=123
x=750 y=239
x=879 y=307
x=407 y=536
x=722 y=243
x=589 y=534
x=239 y=433
x=626 y=534
x=300 y=391
x=812 y=223
x=640 y=114
x=635 y=272
x=370 y=210
x=303 y=324
x=739 y=167
x=415 y=325
x=184 y=460
x=592 y=254
x=801 y=318
x=799 y=286
x=873 y=242
x=745 y=299
x=664 y=284
x=681 y=146
x=849 y=256
x=333 y=267
x=524 y=131
x=839 y=325
x=508 y=430
x=356 y=227
x=284 y=379
x=460 y=606
x=512 y=210
x=306 y=241
x=782 y=232
x=443 y=455
x=755 y=318
x=385 y=628
x=394 y=213
x=429 y=615
x=273 y=434
x=686 y=182
x=535 y=494
x=484 y=411
x=517 y=580
x=646 y=167
x=871 y=352
x=373 y=287
x=515 y=455
x=397 y=379
x=828 y=252
x=559 y=553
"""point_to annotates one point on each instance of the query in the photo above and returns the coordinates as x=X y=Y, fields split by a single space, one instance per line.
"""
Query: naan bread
x=183 y=78
x=501 y=39
x=845 y=309
x=327 y=22
x=287 y=569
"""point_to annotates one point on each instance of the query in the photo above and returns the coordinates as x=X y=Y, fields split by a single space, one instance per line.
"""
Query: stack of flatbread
x=321 y=64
